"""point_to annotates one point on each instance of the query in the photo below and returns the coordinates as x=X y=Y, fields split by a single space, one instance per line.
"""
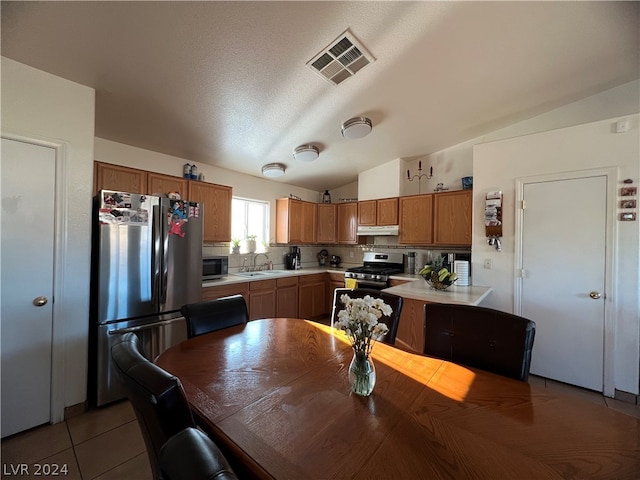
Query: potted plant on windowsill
x=235 y=245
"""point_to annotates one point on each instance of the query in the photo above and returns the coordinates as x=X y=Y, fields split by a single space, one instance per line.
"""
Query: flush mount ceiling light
x=273 y=170
x=356 y=127
x=306 y=153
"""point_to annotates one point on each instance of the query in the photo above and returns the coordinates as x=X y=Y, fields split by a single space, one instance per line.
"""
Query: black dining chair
x=394 y=301
x=480 y=337
x=157 y=397
x=212 y=315
x=191 y=455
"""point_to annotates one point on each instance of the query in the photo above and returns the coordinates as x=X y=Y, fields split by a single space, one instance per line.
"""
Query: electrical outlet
x=350 y=254
x=488 y=263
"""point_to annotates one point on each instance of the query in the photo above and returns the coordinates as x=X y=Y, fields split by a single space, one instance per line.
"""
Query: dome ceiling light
x=306 y=153
x=356 y=127
x=273 y=170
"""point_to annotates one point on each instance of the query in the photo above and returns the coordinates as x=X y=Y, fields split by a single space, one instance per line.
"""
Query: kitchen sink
x=262 y=273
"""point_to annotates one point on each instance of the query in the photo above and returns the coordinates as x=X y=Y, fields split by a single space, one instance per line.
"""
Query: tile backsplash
x=351 y=255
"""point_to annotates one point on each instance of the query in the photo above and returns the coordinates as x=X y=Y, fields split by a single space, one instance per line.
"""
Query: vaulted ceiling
x=227 y=83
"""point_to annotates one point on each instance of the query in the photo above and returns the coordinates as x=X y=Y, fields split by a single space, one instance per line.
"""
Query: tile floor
x=106 y=443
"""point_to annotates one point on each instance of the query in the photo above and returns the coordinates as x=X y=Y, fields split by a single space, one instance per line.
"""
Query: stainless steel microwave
x=215 y=267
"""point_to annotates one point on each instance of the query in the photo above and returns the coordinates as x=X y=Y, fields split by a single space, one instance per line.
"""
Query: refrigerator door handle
x=164 y=228
x=144 y=327
x=156 y=255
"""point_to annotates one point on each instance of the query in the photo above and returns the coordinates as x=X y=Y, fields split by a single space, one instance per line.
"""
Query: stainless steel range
x=376 y=269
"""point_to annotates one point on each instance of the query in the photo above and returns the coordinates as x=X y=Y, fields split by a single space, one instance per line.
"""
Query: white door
x=26 y=283
x=563 y=260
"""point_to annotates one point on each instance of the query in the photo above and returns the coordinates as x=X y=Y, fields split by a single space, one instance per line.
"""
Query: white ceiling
x=225 y=83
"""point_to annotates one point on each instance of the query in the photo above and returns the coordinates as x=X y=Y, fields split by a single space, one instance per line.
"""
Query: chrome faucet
x=244 y=267
x=256 y=257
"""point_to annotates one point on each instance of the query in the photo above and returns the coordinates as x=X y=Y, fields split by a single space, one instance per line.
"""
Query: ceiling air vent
x=341 y=59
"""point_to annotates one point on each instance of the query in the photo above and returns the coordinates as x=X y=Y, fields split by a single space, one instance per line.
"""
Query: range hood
x=379 y=230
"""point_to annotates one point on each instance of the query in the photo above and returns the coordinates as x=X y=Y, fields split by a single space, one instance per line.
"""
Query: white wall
x=453 y=163
x=41 y=106
x=593 y=145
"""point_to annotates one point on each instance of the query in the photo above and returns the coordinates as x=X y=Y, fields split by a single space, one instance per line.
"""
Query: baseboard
x=626 y=397
x=75 y=410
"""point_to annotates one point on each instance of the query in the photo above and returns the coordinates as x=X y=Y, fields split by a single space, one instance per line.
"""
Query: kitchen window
x=250 y=217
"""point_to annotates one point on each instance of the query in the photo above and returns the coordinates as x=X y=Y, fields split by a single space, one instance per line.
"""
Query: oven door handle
x=370 y=284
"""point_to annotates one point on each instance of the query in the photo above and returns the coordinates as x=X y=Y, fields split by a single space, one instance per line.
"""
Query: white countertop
x=267 y=275
x=416 y=288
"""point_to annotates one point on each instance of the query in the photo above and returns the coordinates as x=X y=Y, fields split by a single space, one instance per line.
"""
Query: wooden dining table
x=274 y=395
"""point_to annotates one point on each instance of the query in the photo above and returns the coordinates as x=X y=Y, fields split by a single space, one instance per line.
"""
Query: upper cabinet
x=416 y=220
x=158 y=183
x=295 y=221
x=216 y=198
x=436 y=219
x=327 y=223
x=378 y=212
x=452 y=217
x=347 y=223
x=115 y=177
x=367 y=212
x=217 y=209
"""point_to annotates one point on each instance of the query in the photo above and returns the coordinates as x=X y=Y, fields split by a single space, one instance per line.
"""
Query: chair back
x=394 y=301
x=212 y=315
x=157 y=397
x=191 y=455
x=480 y=337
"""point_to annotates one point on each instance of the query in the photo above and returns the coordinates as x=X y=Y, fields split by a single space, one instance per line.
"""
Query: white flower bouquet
x=360 y=320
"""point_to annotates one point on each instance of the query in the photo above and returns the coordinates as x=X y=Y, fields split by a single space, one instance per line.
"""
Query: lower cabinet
x=411 y=327
x=211 y=293
x=287 y=297
x=262 y=299
x=312 y=296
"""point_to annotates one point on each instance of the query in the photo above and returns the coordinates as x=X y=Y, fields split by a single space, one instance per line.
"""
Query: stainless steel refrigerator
x=146 y=264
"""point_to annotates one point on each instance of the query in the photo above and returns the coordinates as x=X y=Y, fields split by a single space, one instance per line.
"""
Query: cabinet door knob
x=595 y=295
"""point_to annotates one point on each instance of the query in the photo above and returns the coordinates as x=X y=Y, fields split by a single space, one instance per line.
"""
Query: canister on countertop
x=411 y=262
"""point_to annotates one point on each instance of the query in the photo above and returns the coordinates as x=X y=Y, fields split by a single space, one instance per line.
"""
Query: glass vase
x=362 y=374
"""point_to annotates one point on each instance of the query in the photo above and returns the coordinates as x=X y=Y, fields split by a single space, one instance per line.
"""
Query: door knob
x=594 y=295
x=40 y=301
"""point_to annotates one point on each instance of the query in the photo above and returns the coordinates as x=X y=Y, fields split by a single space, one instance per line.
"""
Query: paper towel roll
x=461 y=269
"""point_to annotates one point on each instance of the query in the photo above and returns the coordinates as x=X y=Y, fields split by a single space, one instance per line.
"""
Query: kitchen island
x=417 y=289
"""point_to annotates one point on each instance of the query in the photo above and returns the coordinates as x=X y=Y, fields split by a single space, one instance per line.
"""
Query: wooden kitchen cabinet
x=211 y=293
x=348 y=223
x=312 y=296
x=327 y=224
x=387 y=211
x=367 y=212
x=262 y=299
x=411 y=327
x=452 y=217
x=114 y=177
x=158 y=183
x=295 y=221
x=378 y=212
x=416 y=220
x=217 y=209
x=287 y=297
